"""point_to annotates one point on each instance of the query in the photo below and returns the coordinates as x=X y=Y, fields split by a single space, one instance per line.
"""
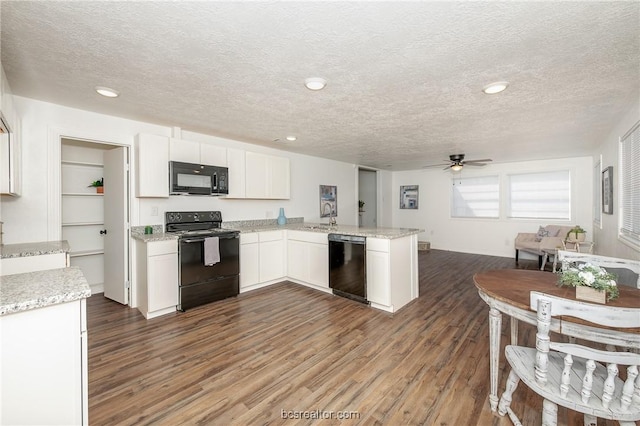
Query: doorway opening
x=368 y=198
x=94 y=182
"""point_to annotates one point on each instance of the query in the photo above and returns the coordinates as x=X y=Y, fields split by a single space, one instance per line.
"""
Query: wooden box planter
x=589 y=294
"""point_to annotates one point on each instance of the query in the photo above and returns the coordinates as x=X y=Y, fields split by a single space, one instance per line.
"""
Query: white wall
x=26 y=218
x=484 y=236
x=606 y=239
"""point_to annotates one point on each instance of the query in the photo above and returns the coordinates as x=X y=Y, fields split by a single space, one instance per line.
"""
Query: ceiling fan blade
x=486 y=160
x=435 y=165
x=474 y=164
x=447 y=168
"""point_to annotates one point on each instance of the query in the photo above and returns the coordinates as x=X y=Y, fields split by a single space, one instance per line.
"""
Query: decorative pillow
x=542 y=232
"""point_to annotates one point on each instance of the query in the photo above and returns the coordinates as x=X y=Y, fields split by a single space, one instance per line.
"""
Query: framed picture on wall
x=409 y=197
x=328 y=201
x=607 y=190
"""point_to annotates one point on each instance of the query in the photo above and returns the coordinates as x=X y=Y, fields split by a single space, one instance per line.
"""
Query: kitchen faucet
x=332 y=218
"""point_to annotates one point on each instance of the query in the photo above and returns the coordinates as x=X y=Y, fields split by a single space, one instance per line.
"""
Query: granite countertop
x=32 y=290
x=160 y=236
x=33 y=249
x=384 y=233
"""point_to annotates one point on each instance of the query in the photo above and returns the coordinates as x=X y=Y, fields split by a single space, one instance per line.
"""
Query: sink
x=318 y=226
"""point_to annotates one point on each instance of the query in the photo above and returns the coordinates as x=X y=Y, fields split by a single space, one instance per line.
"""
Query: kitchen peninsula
x=298 y=252
x=43 y=346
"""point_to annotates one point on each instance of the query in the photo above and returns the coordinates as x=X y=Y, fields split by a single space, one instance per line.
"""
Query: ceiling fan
x=457 y=161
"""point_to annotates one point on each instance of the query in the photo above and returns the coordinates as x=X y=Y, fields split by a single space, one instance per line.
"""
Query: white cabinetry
x=387 y=258
x=262 y=259
x=267 y=176
x=157 y=277
x=152 y=166
x=272 y=252
x=10 y=170
x=20 y=265
x=197 y=153
x=43 y=353
x=237 y=178
x=249 y=260
x=308 y=259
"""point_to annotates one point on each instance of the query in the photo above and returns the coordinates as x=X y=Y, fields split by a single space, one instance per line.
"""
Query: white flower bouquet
x=589 y=275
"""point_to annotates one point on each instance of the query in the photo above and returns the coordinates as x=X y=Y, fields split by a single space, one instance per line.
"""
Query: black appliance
x=197 y=179
x=200 y=284
x=348 y=266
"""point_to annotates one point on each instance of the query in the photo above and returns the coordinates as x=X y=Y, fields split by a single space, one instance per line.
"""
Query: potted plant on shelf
x=576 y=234
x=593 y=283
x=99 y=185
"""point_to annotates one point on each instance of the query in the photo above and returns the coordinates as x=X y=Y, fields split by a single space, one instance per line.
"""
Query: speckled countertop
x=33 y=249
x=32 y=290
x=160 y=236
x=385 y=233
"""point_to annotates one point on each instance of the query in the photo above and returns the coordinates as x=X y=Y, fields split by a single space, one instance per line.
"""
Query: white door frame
x=54 y=189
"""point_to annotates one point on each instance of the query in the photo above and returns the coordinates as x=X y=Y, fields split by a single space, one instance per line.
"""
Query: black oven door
x=200 y=284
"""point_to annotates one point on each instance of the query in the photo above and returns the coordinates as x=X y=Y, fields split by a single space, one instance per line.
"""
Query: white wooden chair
x=571 y=375
x=628 y=271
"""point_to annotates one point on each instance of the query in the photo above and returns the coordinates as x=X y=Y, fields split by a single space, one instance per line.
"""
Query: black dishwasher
x=347 y=266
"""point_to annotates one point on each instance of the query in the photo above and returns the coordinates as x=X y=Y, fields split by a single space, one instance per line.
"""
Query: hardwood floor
x=288 y=350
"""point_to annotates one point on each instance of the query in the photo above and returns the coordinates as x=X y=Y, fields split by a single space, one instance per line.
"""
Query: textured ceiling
x=404 y=78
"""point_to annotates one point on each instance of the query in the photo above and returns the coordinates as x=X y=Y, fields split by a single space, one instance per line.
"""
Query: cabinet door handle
x=103 y=232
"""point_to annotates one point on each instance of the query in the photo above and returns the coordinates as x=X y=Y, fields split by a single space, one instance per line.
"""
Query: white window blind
x=476 y=197
x=544 y=195
x=630 y=185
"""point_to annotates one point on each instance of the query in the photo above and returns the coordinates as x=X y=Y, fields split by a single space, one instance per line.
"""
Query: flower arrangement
x=589 y=275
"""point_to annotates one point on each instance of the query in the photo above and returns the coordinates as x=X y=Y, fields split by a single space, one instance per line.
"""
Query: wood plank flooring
x=286 y=350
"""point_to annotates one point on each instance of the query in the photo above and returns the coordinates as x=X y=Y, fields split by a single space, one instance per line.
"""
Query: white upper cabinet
x=267 y=176
x=213 y=155
x=10 y=158
x=184 y=151
x=236 y=164
x=152 y=166
x=197 y=153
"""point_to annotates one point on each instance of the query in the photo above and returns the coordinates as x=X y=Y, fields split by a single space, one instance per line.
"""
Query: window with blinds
x=544 y=195
x=630 y=185
x=476 y=197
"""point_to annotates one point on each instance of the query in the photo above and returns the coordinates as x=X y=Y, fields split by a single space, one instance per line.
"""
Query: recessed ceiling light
x=493 y=88
x=315 y=83
x=291 y=138
x=108 y=92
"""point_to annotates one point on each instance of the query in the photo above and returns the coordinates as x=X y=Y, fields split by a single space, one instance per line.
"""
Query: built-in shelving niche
x=83 y=207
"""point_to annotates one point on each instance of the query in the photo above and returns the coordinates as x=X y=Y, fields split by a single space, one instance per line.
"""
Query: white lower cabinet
x=43 y=262
x=43 y=358
x=262 y=259
x=249 y=260
x=392 y=272
x=378 y=278
x=157 y=277
x=308 y=258
x=271 y=255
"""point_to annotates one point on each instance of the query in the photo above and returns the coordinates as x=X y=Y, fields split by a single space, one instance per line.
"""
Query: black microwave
x=197 y=179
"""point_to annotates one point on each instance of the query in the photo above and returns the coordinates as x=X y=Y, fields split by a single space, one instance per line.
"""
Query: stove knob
x=171 y=217
x=195 y=217
x=211 y=216
x=178 y=216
